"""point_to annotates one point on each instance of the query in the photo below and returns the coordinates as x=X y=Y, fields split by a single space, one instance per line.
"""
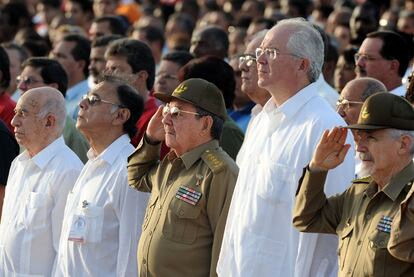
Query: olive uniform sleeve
x=142 y=165
x=223 y=180
x=313 y=212
x=401 y=243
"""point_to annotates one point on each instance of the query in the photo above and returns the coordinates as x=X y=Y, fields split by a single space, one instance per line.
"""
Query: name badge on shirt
x=188 y=195
x=78 y=229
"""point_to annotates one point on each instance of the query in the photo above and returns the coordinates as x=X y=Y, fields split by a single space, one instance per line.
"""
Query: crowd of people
x=206 y=138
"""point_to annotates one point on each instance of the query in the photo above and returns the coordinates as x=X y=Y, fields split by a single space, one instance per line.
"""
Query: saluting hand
x=331 y=150
x=155 y=130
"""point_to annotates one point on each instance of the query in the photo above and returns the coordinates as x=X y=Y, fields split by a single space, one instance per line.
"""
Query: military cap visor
x=385 y=111
x=199 y=93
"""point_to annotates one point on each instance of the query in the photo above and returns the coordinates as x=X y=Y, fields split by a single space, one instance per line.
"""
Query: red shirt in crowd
x=7 y=106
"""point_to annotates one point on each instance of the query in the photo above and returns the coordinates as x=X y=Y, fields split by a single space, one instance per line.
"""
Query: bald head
x=355 y=92
x=48 y=100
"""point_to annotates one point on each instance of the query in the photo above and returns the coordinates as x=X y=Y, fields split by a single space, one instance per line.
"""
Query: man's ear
x=54 y=85
x=304 y=65
x=50 y=120
x=406 y=143
x=207 y=125
x=121 y=116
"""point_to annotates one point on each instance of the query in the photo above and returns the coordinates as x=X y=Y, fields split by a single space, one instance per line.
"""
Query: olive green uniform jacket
x=361 y=216
x=401 y=244
x=187 y=211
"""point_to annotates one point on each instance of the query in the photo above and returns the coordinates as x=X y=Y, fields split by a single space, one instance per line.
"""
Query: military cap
x=385 y=110
x=200 y=93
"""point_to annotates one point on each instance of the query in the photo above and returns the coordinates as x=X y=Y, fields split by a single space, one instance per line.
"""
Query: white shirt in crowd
x=259 y=239
x=326 y=91
x=33 y=208
x=254 y=112
x=399 y=91
x=103 y=217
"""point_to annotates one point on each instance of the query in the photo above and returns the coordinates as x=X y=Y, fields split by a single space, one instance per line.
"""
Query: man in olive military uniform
x=362 y=216
x=191 y=188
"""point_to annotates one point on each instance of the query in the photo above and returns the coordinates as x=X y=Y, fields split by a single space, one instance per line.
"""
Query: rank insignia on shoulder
x=199 y=178
x=385 y=224
x=188 y=195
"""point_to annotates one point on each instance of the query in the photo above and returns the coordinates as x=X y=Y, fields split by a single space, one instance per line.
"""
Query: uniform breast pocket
x=94 y=217
x=181 y=223
x=275 y=182
x=344 y=237
x=37 y=209
x=377 y=254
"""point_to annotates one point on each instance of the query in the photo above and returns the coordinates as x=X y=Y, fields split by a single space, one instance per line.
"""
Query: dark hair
x=394 y=47
x=20 y=49
x=214 y=70
x=104 y=41
x=81 y=50
x=50 y=70
x=36 y=48
x=349 y=54
x=85 y=5
x=179 y=57
x=53 y=3
x=217 y=38
x=152 y=34
x=268 y=22
x=116 y=24
x=4 y=69
x=216 y=127
x=185 y=21
x=137 y=54
x=130 y=99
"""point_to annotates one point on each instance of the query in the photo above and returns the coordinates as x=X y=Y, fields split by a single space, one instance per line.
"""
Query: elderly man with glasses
x=259 y=239
x=365 y=216
x=349 y=106
x=191 y=188
x=101 y=224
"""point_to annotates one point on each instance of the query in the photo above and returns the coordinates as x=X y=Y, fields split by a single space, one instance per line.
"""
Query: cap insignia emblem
x=180 y=89
x=364 y=113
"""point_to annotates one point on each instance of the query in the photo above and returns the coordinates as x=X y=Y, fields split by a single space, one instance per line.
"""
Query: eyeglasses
x=271 y=53
x=345 y=104
x=166 y=76
x=27 y=80
x=174 y=111
x=365 y=58
x=94 y=99
x=248 y=59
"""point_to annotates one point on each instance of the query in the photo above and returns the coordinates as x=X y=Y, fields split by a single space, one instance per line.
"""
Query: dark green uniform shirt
x=231 y=138
x=186 y=214
x=362 y=218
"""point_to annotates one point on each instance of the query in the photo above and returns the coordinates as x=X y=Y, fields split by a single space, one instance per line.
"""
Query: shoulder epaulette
x=213 y=160
x=365 y=180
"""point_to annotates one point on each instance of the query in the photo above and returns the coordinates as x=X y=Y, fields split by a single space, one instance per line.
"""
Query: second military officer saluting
x=363 y=215
x=191 y=188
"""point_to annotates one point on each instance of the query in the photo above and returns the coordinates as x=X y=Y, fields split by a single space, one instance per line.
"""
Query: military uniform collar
x=192 y=156
x=399 y=181
x=396 y=185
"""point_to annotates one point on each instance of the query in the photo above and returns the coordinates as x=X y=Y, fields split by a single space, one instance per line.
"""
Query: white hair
x=56 y=106
x=396 y=134
x=305 y=42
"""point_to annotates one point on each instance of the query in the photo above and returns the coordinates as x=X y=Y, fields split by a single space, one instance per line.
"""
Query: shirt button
x=160 y=206
x=150 y=233
x=144 y=261
x=181 y=212
x=368 y=216
x=359 y=242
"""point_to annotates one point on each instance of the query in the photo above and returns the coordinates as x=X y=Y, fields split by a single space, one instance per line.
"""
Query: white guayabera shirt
x=33 y=208
x=103 y=217
x=259 y=239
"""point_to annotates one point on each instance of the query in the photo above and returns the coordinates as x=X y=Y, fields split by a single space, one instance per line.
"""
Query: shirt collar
x=42 y=158
x=295 y=103
x=190 y=157
x=399 y=181
x=111 y=152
